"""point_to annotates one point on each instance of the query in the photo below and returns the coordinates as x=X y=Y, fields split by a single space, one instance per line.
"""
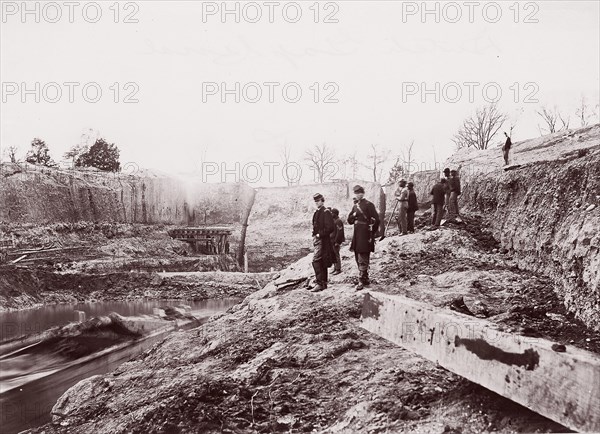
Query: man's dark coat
x=363 y=240
x=323 y=226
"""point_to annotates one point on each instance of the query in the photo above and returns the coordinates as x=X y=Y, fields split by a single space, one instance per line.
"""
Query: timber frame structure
x=209 y=240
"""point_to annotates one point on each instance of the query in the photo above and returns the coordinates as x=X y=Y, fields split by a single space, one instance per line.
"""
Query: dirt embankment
x=44 y=196
x=546 y=211
x=295 y=360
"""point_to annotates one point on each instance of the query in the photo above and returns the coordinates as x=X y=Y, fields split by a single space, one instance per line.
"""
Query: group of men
x=328 y=228
x=406 y=201
x=328 y=235
x=445 y=196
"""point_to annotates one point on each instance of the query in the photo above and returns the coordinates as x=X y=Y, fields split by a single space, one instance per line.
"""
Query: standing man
x=402 y=198
x=365 y=219
x=506 y=148
x=413 y=207
x=322 y=223
x=437 y=204
x=447 y=187
x=454 y=193
x=337 y=239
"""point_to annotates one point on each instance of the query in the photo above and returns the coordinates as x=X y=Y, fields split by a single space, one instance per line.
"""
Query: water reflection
x=29 y=405
x=33 y=321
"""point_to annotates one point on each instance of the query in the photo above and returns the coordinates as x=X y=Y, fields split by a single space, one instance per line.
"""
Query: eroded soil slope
x=546 y=210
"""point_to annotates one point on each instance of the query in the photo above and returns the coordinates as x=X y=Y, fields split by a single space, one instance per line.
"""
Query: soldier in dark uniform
x=437 y=204
x=322 y=223
x=365 y=219
x=337 y=239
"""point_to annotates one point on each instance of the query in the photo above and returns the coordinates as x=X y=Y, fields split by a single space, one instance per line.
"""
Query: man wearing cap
x=365 y=219
x=322 y=223
x=402 y=198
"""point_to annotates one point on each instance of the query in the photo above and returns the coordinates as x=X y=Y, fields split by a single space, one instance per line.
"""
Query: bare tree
x=551 y=118
x=406 y=157
x=11 y=153
x=351 y=165
x=585 y=113
x=286 y=154
x=322 y=160
x=479 y=130
x=377 y=159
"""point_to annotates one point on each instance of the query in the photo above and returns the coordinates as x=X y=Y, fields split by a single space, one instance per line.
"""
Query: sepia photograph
x=311 y=216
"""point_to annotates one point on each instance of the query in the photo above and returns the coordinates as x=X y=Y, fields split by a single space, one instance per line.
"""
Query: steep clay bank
x=45 y=196
x=546 y=212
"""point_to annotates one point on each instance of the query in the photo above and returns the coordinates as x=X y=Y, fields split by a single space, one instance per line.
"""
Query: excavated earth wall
x=545 y=209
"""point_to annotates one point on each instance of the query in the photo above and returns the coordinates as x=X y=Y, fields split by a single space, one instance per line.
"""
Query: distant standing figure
x=447 y=187
x=454 y=193
x=365 y=219
x=413 y=207
x=437 y=204
x=337 y=239
x=402 y=198
x=506 y=148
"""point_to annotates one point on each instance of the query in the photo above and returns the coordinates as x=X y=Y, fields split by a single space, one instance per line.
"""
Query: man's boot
x=319 y=286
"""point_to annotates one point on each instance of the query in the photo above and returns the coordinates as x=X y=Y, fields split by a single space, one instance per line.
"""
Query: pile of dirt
x=293 y=360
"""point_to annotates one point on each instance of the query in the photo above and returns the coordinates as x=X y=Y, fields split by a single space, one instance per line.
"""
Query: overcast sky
x=373 y=57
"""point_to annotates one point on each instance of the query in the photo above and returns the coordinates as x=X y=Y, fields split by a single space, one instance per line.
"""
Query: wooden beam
x=562 y=386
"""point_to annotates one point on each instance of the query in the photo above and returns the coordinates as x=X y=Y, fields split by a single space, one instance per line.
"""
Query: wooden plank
x=563 y=386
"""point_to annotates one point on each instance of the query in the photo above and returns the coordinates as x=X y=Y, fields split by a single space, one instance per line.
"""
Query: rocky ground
x=295 y=361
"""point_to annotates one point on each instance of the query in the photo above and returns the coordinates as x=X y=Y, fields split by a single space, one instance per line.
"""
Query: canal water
x=29 y=405
x=34 y=321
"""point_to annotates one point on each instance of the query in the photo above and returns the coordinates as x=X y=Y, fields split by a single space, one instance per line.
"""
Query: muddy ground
x=296 y=361
x=86 y=262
